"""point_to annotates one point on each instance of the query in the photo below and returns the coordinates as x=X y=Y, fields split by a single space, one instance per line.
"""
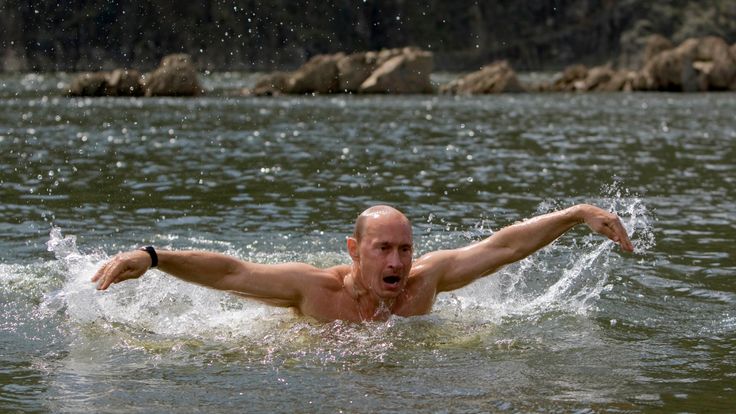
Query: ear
x=353 y=249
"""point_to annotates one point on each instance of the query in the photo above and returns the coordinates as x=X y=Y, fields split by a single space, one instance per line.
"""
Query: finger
x=110 y=274
x=102 y=280
x=101 y=271
x=624 y=237
x=608 y=231
x=106 y=282
x=619 y=234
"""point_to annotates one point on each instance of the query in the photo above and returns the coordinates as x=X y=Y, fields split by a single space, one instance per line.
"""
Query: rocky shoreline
x=695 y=65
x=175 y=76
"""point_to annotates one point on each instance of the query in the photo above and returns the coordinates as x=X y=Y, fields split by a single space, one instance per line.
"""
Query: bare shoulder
x=428 y=269
x=330 y=278
x=446 y=270
x=324 y=296
x=432 y=264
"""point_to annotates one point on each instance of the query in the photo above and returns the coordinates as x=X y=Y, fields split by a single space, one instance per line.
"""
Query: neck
x=369 y=306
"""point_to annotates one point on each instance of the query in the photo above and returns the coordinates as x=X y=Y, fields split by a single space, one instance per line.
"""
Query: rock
x=405 y=73
x=716 y=62
x=497 y=77
x=120 y=82
x=124 y=82
x=176 y=76
x=318 y=75
x=603 y=78
x=642 y=81
x=572 y=79
x=697 y=64
x=270 y=84
x=671 y=70
x=622 y=80
x=354 y=69
x=579 y=78
x=597 y=79
x=404 y=70
x=606 y=79
x=654 y=45
x=89 y=84
x=385 y=55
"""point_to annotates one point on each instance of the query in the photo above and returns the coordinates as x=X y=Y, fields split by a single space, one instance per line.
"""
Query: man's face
x=385 y=254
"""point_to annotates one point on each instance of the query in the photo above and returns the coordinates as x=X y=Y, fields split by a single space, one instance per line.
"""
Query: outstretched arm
x=280 y=285
x=454 y=269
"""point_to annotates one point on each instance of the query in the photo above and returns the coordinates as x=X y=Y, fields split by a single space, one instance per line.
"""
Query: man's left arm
x=453 y=269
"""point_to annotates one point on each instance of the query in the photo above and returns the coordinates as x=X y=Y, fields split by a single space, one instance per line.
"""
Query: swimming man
x=383 y=278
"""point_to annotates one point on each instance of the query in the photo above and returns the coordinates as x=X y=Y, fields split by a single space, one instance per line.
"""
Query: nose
x=394 y=260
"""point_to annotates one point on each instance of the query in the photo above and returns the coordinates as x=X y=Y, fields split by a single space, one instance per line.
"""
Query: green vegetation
x=44 y=35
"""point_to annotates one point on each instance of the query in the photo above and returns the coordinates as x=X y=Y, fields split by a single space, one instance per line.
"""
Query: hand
x=607 y=224
x=122 y=267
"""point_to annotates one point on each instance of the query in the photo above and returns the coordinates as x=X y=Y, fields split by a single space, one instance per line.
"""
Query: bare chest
x=343 y=306
x=414 y=301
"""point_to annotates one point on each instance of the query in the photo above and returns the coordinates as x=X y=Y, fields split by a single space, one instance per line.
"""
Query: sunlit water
x=577 y=327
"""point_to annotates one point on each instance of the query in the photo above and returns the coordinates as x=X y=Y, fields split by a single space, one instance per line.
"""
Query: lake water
x=578 y=327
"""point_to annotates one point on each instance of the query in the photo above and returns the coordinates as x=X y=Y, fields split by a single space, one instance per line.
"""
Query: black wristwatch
x=151 y=252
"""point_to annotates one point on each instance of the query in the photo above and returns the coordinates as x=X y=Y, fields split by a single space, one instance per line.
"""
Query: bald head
x=376 y=213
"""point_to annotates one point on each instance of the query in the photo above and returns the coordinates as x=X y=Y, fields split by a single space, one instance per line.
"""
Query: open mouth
x=391 y=280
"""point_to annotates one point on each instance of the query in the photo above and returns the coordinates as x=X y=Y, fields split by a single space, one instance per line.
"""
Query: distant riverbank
x=55 y=84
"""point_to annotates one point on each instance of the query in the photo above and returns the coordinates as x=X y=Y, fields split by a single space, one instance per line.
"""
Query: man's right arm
x=280 y=284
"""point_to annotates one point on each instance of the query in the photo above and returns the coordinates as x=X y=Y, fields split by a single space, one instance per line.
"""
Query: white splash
x=155 y=303
x=558 y=278
x=561 y=277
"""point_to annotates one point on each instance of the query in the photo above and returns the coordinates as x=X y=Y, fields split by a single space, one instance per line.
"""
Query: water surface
x=580 y=326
